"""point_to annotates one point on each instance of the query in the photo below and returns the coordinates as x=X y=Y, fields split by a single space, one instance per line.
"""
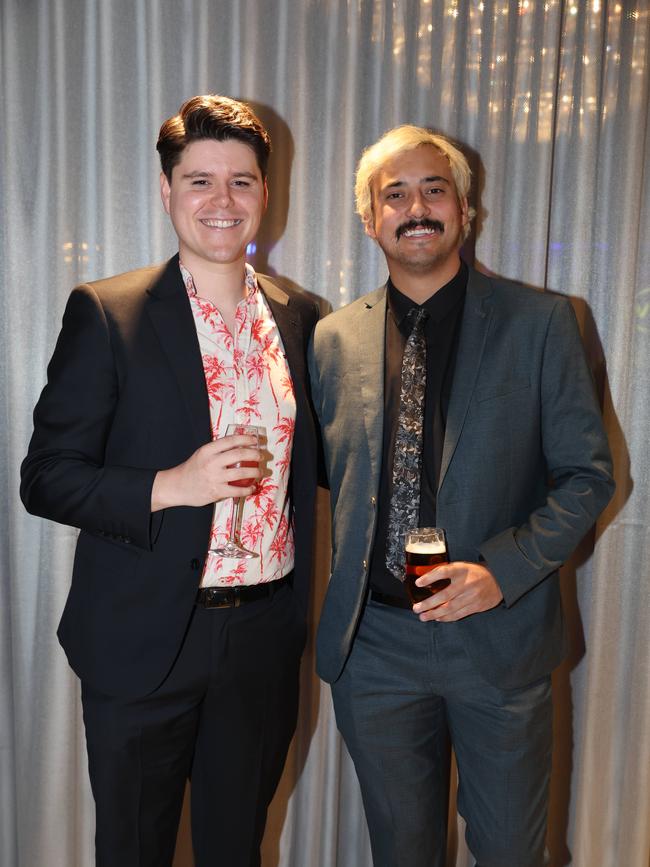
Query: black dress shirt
x=441 y=333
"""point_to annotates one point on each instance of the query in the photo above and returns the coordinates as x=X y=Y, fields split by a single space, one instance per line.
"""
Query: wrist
x=162 y=491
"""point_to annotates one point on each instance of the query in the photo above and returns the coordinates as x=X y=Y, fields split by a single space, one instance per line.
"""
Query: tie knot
x=417 y=316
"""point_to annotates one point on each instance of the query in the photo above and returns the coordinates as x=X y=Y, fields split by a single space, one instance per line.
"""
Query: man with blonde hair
x=453 y=400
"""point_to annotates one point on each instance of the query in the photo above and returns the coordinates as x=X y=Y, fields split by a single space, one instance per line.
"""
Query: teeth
x=221 y=224
x=414 y=233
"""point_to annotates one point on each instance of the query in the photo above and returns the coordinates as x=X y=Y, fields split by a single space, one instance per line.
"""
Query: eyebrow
x=204 y=174
x=428 y=180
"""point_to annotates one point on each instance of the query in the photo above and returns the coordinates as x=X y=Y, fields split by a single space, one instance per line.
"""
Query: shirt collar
x=437 y=306
x=250 y=281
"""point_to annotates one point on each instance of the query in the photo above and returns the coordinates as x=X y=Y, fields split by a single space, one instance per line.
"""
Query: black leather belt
x=395 y=601
x=233 y=597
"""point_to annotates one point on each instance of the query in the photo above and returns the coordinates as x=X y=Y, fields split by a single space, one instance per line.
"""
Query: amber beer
x=424 y=551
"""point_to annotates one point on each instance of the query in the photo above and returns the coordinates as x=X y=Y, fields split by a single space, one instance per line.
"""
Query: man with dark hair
x=198 y=119
x=188 y=655
x=453 y=400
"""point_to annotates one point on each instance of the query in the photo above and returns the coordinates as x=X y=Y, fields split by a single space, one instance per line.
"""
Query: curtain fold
x=550 y=100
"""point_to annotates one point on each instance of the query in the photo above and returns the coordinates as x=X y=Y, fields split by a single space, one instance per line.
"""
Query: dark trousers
x=224 y=717
x=408 y=688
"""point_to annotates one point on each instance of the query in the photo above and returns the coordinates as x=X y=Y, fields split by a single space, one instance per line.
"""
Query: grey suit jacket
x=525 y=470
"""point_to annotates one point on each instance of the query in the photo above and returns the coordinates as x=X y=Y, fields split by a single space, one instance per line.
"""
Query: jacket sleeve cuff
x=514 y=572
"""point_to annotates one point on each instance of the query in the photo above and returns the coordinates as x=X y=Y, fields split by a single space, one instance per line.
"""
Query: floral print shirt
x=248 y=382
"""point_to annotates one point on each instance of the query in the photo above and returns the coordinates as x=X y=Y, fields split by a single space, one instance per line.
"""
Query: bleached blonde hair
x=405 y=138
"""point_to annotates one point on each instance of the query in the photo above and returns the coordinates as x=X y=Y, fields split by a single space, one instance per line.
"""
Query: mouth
x=423 y=229
x=220 y=224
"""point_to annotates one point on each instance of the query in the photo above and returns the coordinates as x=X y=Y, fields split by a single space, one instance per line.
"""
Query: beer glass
x=426 y=548
x=233 y=547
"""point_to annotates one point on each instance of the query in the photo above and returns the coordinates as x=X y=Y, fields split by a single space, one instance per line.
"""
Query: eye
x=199 y=182
x=394 y=195
x=432 y=191
x=241 y=182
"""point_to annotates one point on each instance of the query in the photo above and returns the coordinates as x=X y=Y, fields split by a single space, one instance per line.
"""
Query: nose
x=418 y=206
x=222 y=195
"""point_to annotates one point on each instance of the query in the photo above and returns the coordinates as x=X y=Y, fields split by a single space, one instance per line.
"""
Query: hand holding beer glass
x=426 y=548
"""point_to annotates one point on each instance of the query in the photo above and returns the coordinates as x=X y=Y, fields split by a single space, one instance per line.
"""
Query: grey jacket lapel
x=474 y=328
x=371 y=328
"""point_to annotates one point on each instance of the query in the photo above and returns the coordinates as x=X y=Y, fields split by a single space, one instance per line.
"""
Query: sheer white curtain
x=550 y=99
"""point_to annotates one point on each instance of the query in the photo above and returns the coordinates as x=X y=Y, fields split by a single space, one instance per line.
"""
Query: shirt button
x=195 y=565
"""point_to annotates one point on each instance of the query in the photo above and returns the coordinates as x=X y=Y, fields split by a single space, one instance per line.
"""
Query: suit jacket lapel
x=475 y=324
x=371 y=329
x=171 y=315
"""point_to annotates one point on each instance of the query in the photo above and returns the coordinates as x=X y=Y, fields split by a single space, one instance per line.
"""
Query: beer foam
x=437 y=547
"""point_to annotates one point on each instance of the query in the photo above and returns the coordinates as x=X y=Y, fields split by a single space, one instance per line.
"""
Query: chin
x=422 y=265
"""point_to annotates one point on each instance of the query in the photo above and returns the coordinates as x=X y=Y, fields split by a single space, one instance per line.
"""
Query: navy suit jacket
x=525 y=469
x=126 y=397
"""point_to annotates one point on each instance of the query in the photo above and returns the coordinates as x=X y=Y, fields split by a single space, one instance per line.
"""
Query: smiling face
x=417 y=219
x=215 y=199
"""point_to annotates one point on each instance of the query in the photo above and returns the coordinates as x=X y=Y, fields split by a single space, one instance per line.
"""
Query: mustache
x=436 y=225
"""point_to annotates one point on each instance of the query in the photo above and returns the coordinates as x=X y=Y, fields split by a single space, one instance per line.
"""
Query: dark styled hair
x=216 y=117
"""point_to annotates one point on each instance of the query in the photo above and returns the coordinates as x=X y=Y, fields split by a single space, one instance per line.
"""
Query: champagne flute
x=233 y=547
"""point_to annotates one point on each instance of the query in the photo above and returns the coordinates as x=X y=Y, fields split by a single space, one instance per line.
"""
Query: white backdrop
x=550 y=100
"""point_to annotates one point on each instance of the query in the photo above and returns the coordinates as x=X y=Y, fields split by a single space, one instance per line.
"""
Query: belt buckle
x=229 y=599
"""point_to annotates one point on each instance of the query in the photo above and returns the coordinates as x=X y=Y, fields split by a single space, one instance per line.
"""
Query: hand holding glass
x=233 y=547
x=426 y=548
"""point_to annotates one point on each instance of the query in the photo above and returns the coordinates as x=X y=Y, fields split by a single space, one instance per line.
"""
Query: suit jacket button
x=373 y=500
x=365 y=564
x=195 y=564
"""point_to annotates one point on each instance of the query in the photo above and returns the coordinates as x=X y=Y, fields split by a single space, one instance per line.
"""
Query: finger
x=236 y=474
x=436 y=613
x=438 y=597
x=432 y=603
x=238 y=491
x=433 y=581
x=462 y=606
x=454 y=597
x=445 y=570
x=238 y=455
x=447 y=610
x=225 y=444
x=453 y=614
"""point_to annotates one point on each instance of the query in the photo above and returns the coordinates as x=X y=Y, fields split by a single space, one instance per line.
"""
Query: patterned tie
x=404 y=511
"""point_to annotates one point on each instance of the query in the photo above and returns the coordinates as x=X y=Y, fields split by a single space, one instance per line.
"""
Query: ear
x=464 y=211
x=369 y=227
x=165 y=191
x=266 y=195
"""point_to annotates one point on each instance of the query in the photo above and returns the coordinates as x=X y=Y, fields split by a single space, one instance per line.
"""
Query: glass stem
x=234 y=517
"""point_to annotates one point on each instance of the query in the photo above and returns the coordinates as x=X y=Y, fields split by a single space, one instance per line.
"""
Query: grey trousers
x=409 y=689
